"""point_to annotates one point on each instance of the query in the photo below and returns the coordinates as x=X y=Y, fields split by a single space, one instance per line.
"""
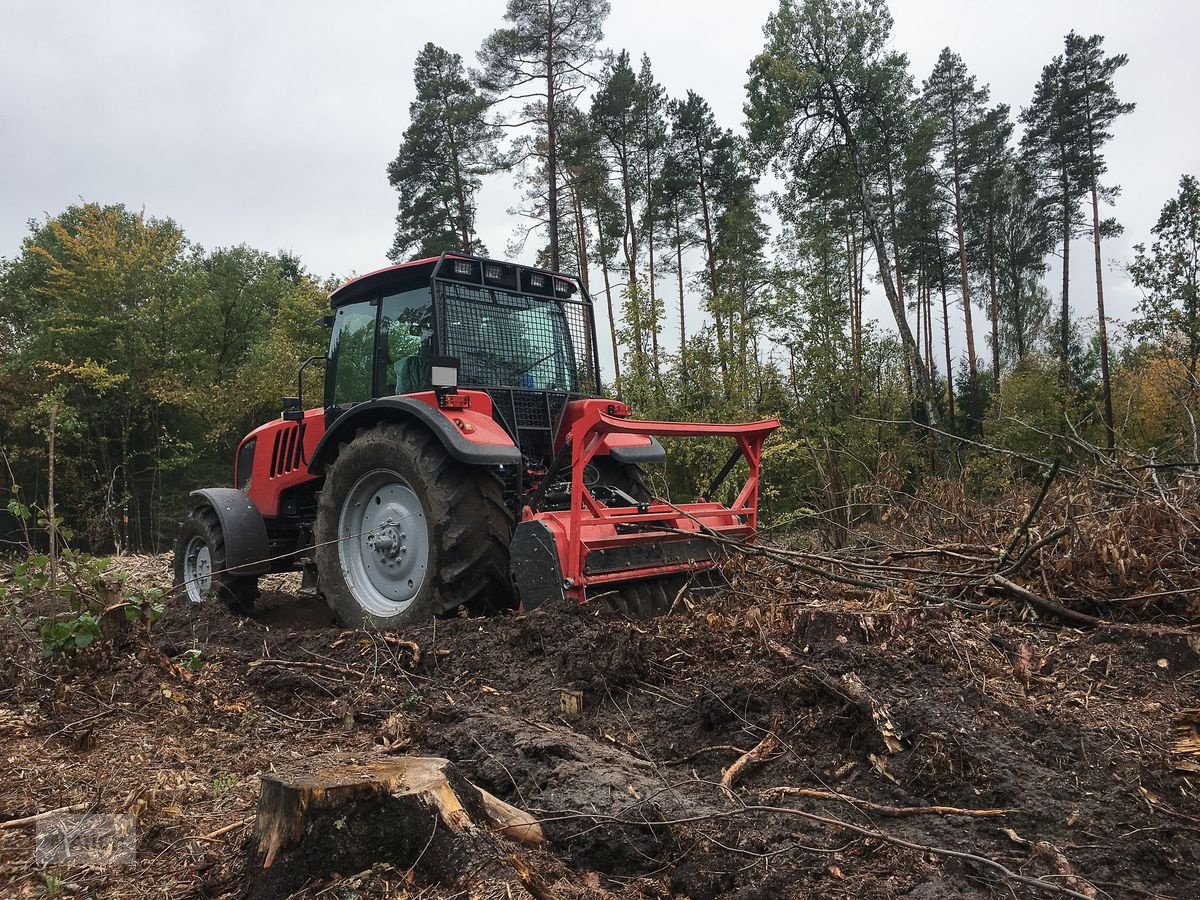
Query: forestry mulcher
x=463 y=459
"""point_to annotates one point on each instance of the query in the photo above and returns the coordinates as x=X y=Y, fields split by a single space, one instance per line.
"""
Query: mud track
x=607 y=728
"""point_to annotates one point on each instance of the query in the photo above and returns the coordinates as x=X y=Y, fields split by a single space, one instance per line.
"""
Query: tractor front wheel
x=200 y=564
x=404 y=532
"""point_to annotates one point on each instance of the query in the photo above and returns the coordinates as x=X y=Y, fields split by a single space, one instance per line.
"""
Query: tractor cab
x=523 y=336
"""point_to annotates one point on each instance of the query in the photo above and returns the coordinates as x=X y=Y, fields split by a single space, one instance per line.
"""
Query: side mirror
x=443 y=373
x=324 y=322
x=291 y=409
x=415 y=330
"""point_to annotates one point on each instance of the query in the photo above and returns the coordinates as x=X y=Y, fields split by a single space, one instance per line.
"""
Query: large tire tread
x=471 y=527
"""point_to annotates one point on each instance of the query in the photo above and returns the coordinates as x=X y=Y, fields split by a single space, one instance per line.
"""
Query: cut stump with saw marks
x=340 y=816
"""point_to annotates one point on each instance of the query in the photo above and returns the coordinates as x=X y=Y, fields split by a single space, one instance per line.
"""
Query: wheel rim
x=197 y=569
x=383 y=543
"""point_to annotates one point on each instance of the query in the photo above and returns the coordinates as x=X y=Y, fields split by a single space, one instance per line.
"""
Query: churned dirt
x=617 y=734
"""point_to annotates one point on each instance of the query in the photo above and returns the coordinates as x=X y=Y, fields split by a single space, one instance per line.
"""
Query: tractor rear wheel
x=404 y=532
x=200 y=564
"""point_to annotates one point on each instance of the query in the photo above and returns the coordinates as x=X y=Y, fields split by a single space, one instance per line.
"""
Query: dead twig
x=224 y=829
x=37 y=817
x=411 y=646
x=753 y=757
x=1046 y=606
x=880 y=808
x=301 y=664
x=1023 y=528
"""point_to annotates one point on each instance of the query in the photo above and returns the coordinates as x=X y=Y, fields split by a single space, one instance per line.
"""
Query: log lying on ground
x=419 y=814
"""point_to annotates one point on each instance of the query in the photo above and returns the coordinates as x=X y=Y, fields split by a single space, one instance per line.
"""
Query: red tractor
x=463 y=457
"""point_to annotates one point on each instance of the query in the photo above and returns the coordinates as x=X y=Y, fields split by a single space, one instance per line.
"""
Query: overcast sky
x=271 y=123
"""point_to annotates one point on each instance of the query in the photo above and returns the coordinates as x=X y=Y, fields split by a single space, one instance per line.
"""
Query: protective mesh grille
x=532 y=417
x=516 y=341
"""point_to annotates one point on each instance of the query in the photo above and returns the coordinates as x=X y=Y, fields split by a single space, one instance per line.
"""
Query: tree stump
x=338 y=816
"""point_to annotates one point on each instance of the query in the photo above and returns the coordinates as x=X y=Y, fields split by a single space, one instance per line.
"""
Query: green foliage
x=448 y=145
x=154 y=354
x=68 y=636
x=192 y=660
x=1168 y=274
x=223 y=784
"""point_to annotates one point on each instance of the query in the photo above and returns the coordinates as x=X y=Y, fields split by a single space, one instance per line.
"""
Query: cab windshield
x=504 y=339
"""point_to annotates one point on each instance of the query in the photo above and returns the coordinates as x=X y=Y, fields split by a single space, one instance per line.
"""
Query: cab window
x=406 y=340
x=351 y=351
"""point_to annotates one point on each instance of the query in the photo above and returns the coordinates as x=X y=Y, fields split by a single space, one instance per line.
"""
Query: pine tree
x=988 y=158
x=447 y=147
x=957 y=105
x=824 y=82
x=699 y=142
x=550 y=42
x=614 y=115
x=676 y=200
x=1024 y=235
x=652 y=140
x=597 y=210
x=1089 y=75
x=1053 y=121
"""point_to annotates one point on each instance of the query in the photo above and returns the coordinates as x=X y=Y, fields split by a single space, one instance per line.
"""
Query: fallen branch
x=882 y=809
x=224 y=829
x=301 y=664
x=1046 y=606
x=753 y=757
x=37 y=817
x=1023 y=528
x=715 y=748
x=412 y=646
x=1051 y=538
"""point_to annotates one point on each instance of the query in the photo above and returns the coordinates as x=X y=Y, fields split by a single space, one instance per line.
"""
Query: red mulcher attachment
x=595 y=548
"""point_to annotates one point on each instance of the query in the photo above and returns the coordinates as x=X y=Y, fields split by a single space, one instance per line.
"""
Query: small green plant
x=410 y=701
x=223 y=784
x=52 y=885
x=66 y=637
x=340 y=824
x=192 y=660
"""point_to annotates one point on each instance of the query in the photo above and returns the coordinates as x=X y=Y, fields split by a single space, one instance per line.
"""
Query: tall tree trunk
x=654 y=317
x=1110 y=436
x=924 y=386
x=612 y=321
x=972 y=370
x=930 y=356
x=995 y=302
x=855 y=320
x=710 y=252
x=630 y=245
x=581 y=235
x=653 y=314
x=551 y=139
x=949 y=360
x=679 y=275
x=1065 y=322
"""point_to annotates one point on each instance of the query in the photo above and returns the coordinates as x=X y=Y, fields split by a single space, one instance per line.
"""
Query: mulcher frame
x=590 y=527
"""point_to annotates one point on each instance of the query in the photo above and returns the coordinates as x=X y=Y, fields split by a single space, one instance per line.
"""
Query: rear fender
x=242 y=527
x=470 y=435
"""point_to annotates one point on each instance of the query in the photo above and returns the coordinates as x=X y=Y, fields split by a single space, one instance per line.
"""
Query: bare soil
x=616 y=734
